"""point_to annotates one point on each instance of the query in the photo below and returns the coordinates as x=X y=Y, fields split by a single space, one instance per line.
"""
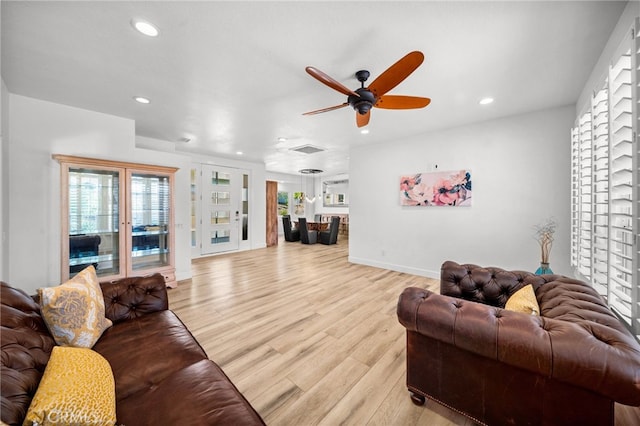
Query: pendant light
x=309 y=172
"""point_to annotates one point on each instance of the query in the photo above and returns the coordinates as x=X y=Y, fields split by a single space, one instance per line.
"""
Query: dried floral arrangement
x=544 y=235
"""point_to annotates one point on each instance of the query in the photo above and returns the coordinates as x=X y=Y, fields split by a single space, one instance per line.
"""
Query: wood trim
x=64 y=221
x=272 y=213
x=170 y=268
x=125 y=171
x=110 y=163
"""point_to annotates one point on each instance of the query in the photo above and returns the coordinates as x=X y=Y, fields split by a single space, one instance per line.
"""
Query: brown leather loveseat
x=499 y=367
x=162 y=375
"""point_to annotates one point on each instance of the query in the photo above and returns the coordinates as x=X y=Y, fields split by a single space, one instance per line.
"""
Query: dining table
x=314 y=226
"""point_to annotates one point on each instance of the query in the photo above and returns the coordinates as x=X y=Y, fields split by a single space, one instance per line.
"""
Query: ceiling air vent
x=307 y=149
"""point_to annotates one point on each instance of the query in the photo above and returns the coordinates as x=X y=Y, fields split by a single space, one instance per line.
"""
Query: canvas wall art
x=298 y=198
x=450 y=188
x=283 y=203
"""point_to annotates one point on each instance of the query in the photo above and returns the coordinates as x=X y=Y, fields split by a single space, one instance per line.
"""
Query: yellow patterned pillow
x=524 y=300
x=74 y=311
x=77 y=388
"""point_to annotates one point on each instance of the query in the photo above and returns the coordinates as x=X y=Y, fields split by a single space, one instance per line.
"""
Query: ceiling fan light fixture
x=363 y=107
x=364 y=131
x=310 y=171
x=144 y=27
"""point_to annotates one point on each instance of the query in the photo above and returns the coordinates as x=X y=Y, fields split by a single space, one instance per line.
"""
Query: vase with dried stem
x=544 y=235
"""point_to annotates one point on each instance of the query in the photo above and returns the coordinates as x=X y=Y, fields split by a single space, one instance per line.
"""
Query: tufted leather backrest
x=587 y=343
x=26 y=348
x=132 y=297
x=572 y=300
x=581 y=352
x=491 y=286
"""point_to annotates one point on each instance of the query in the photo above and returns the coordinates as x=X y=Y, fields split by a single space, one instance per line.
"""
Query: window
x=605 y=187
x=93 y=201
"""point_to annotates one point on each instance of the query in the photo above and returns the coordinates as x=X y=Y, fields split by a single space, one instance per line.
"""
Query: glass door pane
x=221 y=209
x=94 y=220
x=194 y=208
x=150 y=221
x=245 y=207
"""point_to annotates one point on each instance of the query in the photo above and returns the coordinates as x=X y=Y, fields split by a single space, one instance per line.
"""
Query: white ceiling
x=231 y=76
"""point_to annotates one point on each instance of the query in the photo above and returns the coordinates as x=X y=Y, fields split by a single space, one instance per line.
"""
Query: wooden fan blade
x=318 y=111
x=396 y=73
x=401 y=102
x=325 y=79
x=363 y=119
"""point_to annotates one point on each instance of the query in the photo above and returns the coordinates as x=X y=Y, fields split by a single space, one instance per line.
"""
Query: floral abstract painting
x=451 y=188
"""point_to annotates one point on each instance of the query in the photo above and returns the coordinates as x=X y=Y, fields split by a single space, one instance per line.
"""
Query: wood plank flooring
x=309 y=338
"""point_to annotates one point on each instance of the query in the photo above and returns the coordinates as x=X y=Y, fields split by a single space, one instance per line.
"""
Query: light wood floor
x=309 y=338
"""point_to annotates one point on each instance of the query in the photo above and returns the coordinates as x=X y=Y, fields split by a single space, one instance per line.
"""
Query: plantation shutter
x=605 y=189
x=600 y=189
x=623 y=286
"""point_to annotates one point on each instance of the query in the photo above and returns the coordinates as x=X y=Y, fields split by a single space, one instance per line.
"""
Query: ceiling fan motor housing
x=362 y=103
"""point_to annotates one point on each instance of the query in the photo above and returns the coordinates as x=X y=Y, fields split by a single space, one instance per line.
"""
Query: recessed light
x=145 y=28
x=281 y=139
x=141 y=99
x=238 y=152
x=486 y=101
x=364 y=131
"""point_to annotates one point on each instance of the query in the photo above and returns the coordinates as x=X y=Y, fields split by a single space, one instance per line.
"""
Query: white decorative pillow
x=524 y=300
x=74 y=311
x=77 y=388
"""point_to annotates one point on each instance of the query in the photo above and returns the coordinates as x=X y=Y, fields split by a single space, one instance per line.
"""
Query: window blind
x=621 y=175
x=93 y=205
x=149 y=200
x=575 y=196
x=600 y=189
x=605 y=190
x=585 y=200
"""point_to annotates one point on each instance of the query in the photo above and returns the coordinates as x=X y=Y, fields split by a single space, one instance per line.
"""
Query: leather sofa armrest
x=133 y=297
x=588 y=355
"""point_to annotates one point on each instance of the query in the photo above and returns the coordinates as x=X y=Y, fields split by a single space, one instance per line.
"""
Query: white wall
x=40 y=129
x=601 y=69
x=4 y=182
x=520 y=176
x=4 y=122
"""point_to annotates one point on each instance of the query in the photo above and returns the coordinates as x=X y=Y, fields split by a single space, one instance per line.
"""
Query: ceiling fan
x=365 y=98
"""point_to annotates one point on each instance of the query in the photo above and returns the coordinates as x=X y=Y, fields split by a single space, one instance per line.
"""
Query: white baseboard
x=395 y=267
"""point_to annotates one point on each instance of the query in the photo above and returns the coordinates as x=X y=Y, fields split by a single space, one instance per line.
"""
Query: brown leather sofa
x=162 y=375
x=498 y=367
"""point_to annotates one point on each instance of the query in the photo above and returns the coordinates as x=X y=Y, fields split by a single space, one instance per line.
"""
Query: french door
x=224 y=209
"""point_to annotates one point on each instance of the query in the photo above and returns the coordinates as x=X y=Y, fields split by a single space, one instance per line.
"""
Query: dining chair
x=306 y=236
x=331 y=236
x=289 y=234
